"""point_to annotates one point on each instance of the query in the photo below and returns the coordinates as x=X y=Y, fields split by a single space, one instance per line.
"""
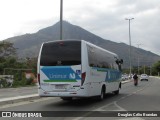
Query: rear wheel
x=116 y=92
x=102 y=95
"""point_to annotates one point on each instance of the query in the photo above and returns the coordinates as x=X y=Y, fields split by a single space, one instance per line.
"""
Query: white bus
x=76 y=68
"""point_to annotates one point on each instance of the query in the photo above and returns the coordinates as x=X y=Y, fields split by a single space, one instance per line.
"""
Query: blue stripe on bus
x=114 y=75
x=61 y=73
x=111 y=74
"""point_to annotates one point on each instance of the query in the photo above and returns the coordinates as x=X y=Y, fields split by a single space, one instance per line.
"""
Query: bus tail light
x=83 y=75
x=38 y=78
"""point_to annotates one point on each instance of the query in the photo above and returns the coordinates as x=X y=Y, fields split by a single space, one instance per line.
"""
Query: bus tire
x=117 y=91
x=102 y=95
x=66 y=98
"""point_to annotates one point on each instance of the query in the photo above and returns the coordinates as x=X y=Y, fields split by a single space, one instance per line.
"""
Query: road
x=144 y=97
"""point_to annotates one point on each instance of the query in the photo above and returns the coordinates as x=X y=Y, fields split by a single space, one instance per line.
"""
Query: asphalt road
x=144 y=97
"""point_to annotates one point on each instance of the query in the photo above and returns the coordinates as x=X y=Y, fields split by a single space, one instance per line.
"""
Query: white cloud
x=105 y=18
x=18 y=16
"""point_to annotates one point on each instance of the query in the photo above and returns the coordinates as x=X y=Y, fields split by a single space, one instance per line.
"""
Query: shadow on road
x=84 y=103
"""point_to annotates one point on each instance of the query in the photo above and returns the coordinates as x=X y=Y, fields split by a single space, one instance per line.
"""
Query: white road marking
x=115 y=104
x=120 y=108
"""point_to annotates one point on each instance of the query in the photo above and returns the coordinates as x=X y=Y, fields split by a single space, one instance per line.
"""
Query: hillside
x=28 y=45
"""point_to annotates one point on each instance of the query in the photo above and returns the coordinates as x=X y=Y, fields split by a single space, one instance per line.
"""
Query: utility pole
x=138 y=57
x=130 y=63
x=61 y=20
x=144 y=69
x=150 y=70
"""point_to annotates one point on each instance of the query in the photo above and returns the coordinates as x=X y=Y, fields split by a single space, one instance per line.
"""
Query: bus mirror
x=117 y=61
x=121 y=61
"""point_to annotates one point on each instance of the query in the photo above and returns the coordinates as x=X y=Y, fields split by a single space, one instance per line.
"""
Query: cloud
x=104 y=18
x=108 y=21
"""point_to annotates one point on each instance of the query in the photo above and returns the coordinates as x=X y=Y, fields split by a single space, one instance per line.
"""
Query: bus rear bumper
x=79 y=93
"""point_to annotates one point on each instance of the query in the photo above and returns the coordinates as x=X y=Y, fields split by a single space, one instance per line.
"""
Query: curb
x=17 y=99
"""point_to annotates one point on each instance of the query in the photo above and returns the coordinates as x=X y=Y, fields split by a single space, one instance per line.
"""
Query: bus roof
x=101 y=48
x=114 y=54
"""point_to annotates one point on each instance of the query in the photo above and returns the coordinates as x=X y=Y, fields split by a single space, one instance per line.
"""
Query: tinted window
x=100 y=58
x=61 y=53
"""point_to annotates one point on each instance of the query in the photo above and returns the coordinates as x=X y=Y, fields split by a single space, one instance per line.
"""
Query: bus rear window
x=61 y=53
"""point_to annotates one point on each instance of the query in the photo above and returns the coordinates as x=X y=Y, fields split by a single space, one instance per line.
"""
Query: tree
x=10 y=65
x=7 y=55
x=156 y=68
x=7 y=49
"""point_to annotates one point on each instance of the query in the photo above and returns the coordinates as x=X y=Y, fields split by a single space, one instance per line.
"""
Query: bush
x=29 y=81
x=22 y=82
x=3 y=82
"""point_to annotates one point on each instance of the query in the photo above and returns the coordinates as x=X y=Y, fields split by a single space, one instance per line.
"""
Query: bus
x=77 y=68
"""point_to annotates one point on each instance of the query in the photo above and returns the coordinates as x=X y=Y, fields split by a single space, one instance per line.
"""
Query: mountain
x=29 y=44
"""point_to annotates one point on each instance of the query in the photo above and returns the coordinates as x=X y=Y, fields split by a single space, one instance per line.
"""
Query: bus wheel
x=66 y=98
x=102 y=95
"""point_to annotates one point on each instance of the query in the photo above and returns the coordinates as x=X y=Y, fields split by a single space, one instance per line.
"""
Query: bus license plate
x=60 y=87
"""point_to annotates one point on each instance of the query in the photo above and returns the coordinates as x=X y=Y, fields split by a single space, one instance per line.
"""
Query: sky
x=105 y=18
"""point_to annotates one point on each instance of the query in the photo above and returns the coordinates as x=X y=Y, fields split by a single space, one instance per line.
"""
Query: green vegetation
x=11 y=65
x=150 y=70
x=156 y=68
